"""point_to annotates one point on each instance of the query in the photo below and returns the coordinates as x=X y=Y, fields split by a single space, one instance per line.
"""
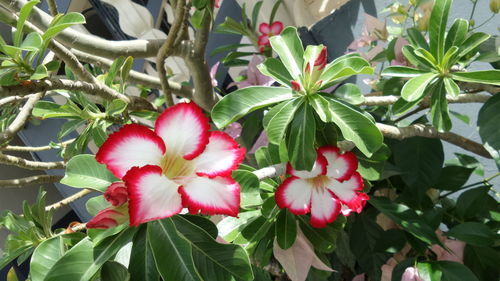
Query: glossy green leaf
x=255 y=13
x=40 y=73
x=456 y=34
x=417 y=39
x=402 y=71
x=226 y=48
x=414 y=89
x=426 y=55
x=453 y=177
x=354 y=125
x=230 y=227
x=64 y=22
x=32 y=42
x=437 y=27
x=449 y=58
x=253 y=231
x=45 y=256
x=47 y=109
x=249 y=188
x=462 y=117
x=290 y=50
x=95 y=204
x=484 y=76
x=172 y=252
x=419 y=160
x=402 y=106
x=276 y=69
x=124 y=72
x=278 y=118
x=471 y=203
x=429 y=271
x=409 y=53
x=342 y=68
x=488 y=120
x=473 y=233
x=141 y=258
x=439 y=108
x=454 y=271
x=214 y=261
x=452 y=88
x=300 y=139
x=114 y=69
x=23 y=15
x=473 y=41
x=114 y=271
x=83 y=171
x=406 y=218
x=286 y=229
x=243 y=101
x=350 y=93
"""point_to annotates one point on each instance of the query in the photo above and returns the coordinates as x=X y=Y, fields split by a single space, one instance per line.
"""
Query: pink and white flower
x=179 y=164
x=331 y=187
x=269 y=30
x=116 y=194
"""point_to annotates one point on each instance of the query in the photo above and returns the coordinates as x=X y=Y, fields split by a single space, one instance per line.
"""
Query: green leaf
x=429 y=271
x=350 y=93
x=354 y=125
x=113 y=70
x=454 y=271
x=323 y=239
x=255 y=13
x=406 y=218
x=243 y=101
x=47 y=109
x=456 y=34
x=453 y=177
x=289 y=48
x=12 y=255
x=451 y=87
x=484 y=76
x=230 y=26
x=249 y=185
x=230 y=227
x=439 y=108
x=420 y=160
x=474 y=233
x=116 y=107
x=124 y=72
x=473 y=41
x=286 y=229
x=64 y=22
x=213 y=260
x=300 y=139
x=275 y=69
x=83 y=171
x=488 y=120
x=225 y=48
x=114 y=271
x=53 y=65
x=70 y=126
x=278 y=118
x=449 y=58
x=32 y=42
x=402 y=71
x=171 y=251
x=40 y=73
x=45 y=256
x=409 y=53
x=414 y=89
x=82 y=261
x=417 y=39
x=426 y=55
x=234 y=55
x=95 y=204
x=141 y=257
x=23 y=15
x=462 y=117
x=343 y=67
x=437 y=27
x=471 y=203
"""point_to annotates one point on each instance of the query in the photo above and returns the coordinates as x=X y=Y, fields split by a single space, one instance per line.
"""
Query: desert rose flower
x=179 y=164
x=116 y=194
x=267 y=31
x=331 y=187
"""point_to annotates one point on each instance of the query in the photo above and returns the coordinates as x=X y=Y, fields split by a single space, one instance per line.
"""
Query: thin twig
x=28 y=164
x=21 y=118
x=34 y=148
x=68 y=200
x=52 y=7
x=167 y=49
x=41 y=179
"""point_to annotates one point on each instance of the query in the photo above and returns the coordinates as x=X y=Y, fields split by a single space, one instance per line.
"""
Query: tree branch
x=68 y=200
x=20 y=119
x=28 y=164
x=430 y=132
x=167 y=49
x=462 y=98
x=33 y=148
x=52 y=7
x=41 y=179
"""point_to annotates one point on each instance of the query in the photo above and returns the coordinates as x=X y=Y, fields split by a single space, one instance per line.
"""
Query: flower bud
x=295 y=85
x=116 y=194
x=411 y=274
x=495 y=6
x=109 y=217
x=319 y=62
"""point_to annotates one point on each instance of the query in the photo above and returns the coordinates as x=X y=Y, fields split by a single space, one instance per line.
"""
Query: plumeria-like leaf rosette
x=179 y=164
x=332 y=187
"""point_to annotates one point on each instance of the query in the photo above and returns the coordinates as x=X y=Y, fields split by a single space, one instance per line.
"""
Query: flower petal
x=324 y=207
x=319 y=168
x=295 y=194
x=346 y=191
x=151 y=195
x=116 y=194
x=276 y=27
x=184 y=129
x=220 y=157
x=108 y=218
x=264 y=28
x=263 y=40
x=133 y=145
x=340 y=166
x=356 y=204
x=220 y=195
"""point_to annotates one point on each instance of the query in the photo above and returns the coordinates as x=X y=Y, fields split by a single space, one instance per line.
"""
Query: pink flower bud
x=107 y=218
x=411 y=274
x=320 y=61
x=116 y=194
x=295 y=85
